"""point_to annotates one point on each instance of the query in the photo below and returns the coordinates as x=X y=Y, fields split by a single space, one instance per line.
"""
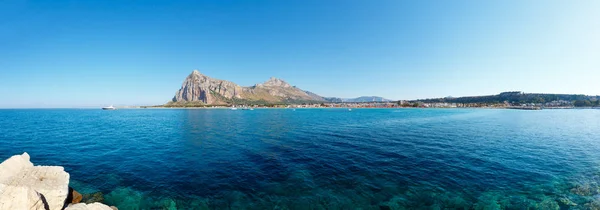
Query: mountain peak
x=274 y=82
x=196 y=72
x=196 y=75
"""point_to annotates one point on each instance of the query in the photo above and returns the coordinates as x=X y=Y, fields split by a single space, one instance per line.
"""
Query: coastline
x=225 y=108
x=259 y=108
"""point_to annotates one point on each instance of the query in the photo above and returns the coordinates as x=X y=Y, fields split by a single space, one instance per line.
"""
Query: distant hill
x=513 y=97
x=333 y=99
x=356 y=100
x=199 y=89
x=368 y=99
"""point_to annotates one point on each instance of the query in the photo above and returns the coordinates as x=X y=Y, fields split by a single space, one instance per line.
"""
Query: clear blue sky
x=101 y=52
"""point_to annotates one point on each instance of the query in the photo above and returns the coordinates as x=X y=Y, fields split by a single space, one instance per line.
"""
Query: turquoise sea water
x=318 y=158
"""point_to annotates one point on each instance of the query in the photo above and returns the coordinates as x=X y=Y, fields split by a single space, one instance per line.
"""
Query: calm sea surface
x=318 y=158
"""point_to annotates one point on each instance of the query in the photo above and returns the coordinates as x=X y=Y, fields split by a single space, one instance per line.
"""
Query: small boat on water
x=111 y=107
x=349 y=110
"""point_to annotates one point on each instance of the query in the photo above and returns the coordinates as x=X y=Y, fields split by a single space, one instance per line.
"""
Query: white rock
x=91 y=206
x=24 y=186
x=19 y=198
x=13 y=165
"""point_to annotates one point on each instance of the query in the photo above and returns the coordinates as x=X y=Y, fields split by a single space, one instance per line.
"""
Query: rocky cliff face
x=201 y=89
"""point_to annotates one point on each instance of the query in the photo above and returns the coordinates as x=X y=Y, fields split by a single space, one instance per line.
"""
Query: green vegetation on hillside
x=578 y=100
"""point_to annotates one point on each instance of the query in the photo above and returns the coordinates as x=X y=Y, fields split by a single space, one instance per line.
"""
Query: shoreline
x=257 y=108
x=517 y=108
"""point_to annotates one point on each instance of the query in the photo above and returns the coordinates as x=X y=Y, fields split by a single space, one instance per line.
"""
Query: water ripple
x=318 y=158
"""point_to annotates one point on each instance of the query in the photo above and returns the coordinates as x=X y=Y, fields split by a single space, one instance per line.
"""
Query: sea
x=317 y=158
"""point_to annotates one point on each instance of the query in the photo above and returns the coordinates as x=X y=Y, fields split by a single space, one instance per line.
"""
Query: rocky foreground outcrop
x=24 y=186
x=199 y=88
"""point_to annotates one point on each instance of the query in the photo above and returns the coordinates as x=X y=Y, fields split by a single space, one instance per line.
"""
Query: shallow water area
x=318 y=158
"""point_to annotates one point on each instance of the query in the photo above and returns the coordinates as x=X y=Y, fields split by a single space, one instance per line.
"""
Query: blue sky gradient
x=101 y=52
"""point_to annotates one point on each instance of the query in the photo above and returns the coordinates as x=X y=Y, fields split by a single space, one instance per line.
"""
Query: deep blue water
x=318 y=158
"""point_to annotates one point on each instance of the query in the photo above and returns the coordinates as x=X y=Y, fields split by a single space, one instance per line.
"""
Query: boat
x=349 y=110
x=111 y=107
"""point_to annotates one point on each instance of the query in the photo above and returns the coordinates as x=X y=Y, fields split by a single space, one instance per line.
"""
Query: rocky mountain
x=314 y=95
x=203 y=90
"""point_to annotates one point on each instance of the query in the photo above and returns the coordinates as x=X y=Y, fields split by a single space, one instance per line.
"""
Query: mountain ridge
x=200 y=89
